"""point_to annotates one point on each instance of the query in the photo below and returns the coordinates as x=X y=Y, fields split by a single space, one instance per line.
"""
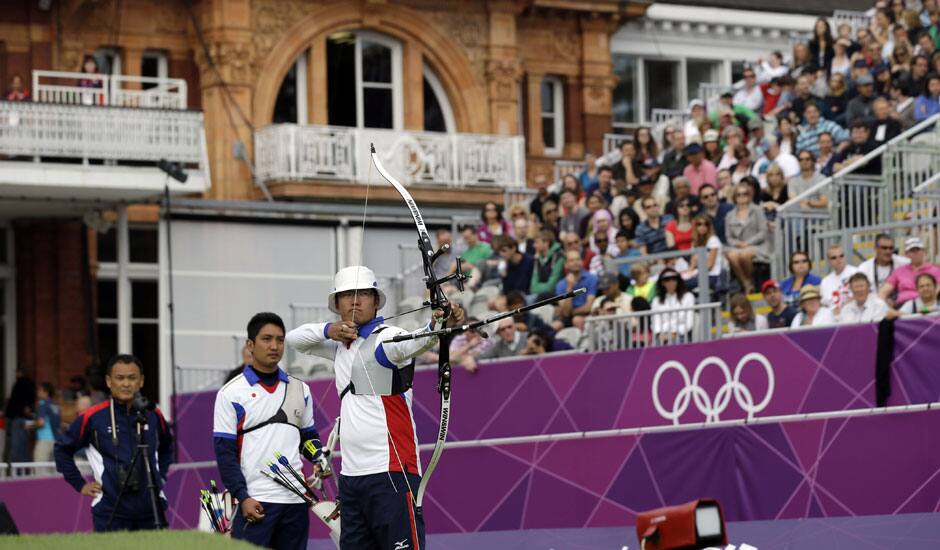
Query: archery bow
x=436 y=300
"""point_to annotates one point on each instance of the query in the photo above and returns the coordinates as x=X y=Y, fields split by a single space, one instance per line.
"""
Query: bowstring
x=388 y=432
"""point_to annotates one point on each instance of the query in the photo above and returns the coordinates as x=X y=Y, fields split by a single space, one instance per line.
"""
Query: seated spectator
x=750 y=94
x=643 y=285
x=697 y=116
x=781 y=314
x=652 y=170
x=626 y=171
x=804 y=181
x=834 y=288
x=902 y=105
x=670 y=325
x=595 y=203
x=523 y=231
x=928 y=103
x=572 y=312
x=588 y=176
x=467 y=347
x=542 y=195
x=756 y=140
x=475 y=251
x=883 y=263
x=860 y=146
x=715 y=209
x=493 y=223
x=786 y=136
x=573 y=242
x=611 y=300
x=527 y=321
x=812 y=313
x=681 y=190
x=627 y=221
x=711 y=146
x=742 y=316
x=704 y=236
x=746 y=230
x=632 y=198
x=786 y=161
x=625 y=249
x=776 y=194
x=550 y=216
x=926 y=300
x=549 y=263
x=602 y=222
x=518 y=266
x=800 y=277
x=815 y=124
x=17 y=90
x=772 y=67
x=674 y=162
x=535 y=345
x=884 y=128
x=827 y=155
x=863 y=306
x=699 y=170
x=510 y=342
x=858 y=108
x=572 y=213
x=741 y=166
x=651 y=235
x=680 y=228
x=904 y=279
x=734 y=150
x=603 y=260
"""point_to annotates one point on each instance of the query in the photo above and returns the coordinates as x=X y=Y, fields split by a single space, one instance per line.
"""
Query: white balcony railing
x=107 y=90
x=306 y=152
x=107 y=133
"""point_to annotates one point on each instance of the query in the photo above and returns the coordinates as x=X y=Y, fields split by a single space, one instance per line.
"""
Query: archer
x=380 y=470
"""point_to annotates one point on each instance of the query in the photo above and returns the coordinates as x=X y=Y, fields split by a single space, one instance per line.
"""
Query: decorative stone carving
x=470 y=30
x=598 y=92
x=271 y=19
x=502 y=75
x=233 y=59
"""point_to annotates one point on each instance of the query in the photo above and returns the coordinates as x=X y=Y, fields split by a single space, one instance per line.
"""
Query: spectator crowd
x=717 y=181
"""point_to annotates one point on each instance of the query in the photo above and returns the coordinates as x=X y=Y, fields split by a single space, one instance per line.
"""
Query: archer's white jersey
x=372 y=427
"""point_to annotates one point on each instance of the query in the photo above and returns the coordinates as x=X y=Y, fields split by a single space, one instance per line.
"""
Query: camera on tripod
x=142 y=404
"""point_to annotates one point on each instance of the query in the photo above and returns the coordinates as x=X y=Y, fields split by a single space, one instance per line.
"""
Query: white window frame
x=398 y=117
x=449 y=125
x=115 y=54
x=163 y=70
x=558 y=116
x=300 y=75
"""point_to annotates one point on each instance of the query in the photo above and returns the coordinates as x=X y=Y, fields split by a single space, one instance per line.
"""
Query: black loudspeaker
x=7 y=526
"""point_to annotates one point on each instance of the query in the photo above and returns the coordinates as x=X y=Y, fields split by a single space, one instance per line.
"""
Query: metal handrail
x=923 y=190
x=704 y=291
x=878 y=151
x=635 y=329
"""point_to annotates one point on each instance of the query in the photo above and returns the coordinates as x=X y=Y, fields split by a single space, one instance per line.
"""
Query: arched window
x=364 y=80
x=438 y=116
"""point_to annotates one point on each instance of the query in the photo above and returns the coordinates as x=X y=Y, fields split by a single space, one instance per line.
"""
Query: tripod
x=142 y=452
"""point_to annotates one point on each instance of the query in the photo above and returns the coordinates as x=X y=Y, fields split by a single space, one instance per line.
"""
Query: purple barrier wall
x=865 y=465
x=915 y=374
x=811 y=371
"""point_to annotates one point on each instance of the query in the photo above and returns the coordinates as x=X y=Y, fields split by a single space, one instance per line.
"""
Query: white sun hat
x=354 y=277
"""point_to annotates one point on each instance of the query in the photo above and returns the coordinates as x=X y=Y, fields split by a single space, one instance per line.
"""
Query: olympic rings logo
x=692 y=392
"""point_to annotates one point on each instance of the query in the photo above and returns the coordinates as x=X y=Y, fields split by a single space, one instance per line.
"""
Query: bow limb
x=437 y=300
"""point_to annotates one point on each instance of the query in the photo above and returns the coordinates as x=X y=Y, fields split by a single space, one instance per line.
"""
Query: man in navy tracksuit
x=109 y=432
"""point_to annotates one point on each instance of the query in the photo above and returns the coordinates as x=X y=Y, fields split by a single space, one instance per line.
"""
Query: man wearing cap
x=750 y=94
x=381 y=470
x=756 y=142
x=781 y=314
x=859 y=107
x=904 y=278
x=699 y=170
x=612 y=300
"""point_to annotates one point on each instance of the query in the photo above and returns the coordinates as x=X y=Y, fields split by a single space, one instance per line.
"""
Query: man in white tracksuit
x=380 y=468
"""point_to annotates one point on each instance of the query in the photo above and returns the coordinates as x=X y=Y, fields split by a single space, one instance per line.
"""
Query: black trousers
x=284 y=527
x=374 y=516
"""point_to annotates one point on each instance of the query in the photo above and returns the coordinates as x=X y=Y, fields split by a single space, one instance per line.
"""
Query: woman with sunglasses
x=704 y=235
x=673 y=319
x=800 y=276
x=493 y=223
x=747 y=236
x=681 y=226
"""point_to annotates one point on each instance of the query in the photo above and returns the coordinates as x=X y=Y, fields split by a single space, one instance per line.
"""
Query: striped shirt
x=808 y=138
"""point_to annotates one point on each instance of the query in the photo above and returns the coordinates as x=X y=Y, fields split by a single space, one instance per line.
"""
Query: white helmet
x=354 y=277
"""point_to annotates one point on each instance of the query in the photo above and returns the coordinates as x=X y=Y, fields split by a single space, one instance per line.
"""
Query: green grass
x=140 y=540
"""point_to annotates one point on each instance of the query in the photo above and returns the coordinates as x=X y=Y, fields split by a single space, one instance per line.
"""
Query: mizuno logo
x=415 y=212
x=443 y=435
x=402 y=544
